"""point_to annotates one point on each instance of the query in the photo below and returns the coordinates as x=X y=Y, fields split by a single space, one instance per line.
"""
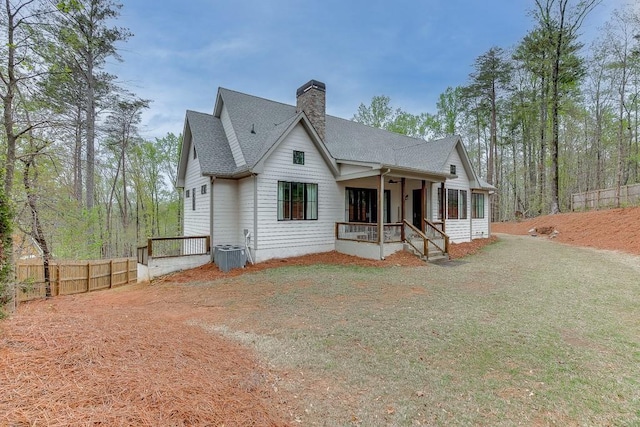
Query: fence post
x=626 y=194
x=60 y=271
x=127 y=275
x=111 y=273
x=149 y=249
x=53 y=269
x=88 y=275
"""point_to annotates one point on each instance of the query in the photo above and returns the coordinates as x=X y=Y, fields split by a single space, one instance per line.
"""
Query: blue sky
x=182 y=51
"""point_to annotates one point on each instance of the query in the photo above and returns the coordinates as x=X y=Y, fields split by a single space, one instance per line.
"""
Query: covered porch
x=391 y=209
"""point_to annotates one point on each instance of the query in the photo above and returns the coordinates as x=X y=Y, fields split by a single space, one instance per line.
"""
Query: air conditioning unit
x=228 y=257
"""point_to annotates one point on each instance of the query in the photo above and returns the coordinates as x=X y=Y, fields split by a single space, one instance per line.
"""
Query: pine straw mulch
x=209 y=272
x=79 y=361
x=130 y=356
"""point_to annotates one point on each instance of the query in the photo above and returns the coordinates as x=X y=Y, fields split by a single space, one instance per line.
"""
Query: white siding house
x=225 y=212
x=196 y=204
x=291 y=180
x=282 y=238
x=457 y=218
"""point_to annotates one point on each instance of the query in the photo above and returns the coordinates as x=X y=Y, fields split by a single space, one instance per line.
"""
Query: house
x=290 y=180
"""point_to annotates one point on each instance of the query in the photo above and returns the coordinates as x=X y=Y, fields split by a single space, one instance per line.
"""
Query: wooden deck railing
x=434 y=234
x=416 y=239
x=368 y=232
x=165 y=247
x=420 y=240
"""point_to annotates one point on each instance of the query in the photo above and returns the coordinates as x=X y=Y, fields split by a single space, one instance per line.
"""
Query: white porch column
x=381 y=214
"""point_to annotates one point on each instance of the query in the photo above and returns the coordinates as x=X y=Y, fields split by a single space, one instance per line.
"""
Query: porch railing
x=431 y=239
x=416 y=239
x=437 y=237
x=368 y=232
x=164 y=247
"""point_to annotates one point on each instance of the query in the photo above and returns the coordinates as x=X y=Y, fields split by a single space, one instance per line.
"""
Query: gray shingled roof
x=259 y=123
x=211 y=144
x=261 y=115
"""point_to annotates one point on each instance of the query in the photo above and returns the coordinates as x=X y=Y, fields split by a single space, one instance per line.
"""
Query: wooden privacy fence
x=73 y=277
x=606 y=198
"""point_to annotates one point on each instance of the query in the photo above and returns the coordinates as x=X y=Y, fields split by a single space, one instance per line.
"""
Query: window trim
x=373 y=210
x=298 y=157
x=287 y=205
x=453 y=203
x=457 y=206
x=463 y=200
x=477 y=213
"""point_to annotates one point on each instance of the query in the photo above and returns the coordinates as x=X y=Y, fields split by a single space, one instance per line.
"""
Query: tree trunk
x=621 y=143
x=91 y=135
x=77 y=159
x=542 y=170
x=37 y=232
x=11 y=83
x=555 y=114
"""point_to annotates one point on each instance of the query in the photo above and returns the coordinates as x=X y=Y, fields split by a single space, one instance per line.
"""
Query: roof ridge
x=199 y=112
x=257 y=97
x=424 y=141
x=381 y=129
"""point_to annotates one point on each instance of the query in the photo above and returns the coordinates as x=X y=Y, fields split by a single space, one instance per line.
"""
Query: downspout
x=443 y=208
x=255 y=216
x=489 y=195
x=212 y=179
x=470 y=215
x=381 y=210
x=403 y=207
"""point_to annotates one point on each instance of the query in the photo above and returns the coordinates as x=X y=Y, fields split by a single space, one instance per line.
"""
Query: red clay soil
x=614 y=229
x=131 y=357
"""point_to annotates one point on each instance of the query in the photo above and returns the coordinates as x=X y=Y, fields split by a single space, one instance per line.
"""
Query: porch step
x=434 y=255
x=438 y=257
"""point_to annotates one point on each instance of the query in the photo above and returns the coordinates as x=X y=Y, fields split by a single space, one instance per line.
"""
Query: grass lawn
x=526 y=332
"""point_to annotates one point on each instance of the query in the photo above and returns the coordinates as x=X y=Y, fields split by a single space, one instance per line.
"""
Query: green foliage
x=378 y=114
x=450 y=108
x=381 y=115
x=492 y=74
x=67 y=6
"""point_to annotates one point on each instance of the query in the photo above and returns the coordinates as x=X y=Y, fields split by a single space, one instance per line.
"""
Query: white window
x=297 y=201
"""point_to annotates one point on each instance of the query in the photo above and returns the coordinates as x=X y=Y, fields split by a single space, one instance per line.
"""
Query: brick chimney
x=311 y=99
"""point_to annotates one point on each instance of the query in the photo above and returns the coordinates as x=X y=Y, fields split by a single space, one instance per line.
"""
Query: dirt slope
x=614 y=229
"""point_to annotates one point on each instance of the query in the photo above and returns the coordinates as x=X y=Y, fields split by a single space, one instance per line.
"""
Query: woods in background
x=546 y=118
x=77 y=178
x=541 y=120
